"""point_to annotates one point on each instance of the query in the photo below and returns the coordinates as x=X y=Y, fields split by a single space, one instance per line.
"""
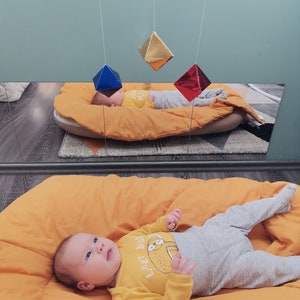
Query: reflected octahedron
x=107 y=81
x=155 y=52
x=192 y=83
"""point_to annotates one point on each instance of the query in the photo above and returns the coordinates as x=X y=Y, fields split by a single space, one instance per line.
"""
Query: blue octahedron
x=107 y=81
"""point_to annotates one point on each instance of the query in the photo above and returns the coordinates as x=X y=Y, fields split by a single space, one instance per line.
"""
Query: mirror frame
x=273 y=55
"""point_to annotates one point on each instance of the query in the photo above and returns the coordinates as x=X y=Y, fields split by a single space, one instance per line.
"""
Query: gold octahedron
x=155 y=52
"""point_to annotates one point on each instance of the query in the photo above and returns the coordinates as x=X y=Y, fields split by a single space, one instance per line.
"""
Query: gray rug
x=236 y=141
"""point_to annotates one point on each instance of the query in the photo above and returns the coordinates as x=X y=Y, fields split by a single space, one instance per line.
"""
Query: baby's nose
x=100 y=247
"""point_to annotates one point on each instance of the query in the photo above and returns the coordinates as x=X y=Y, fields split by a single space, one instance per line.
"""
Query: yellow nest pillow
x=74 y=113
x=33 y=225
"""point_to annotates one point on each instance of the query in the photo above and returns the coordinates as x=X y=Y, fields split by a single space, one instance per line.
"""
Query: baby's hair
x=60 y=271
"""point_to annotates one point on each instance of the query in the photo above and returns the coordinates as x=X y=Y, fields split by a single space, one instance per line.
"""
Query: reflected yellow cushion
x=134 y=124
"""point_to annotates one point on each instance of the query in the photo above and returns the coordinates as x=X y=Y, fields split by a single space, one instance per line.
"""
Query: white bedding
x=12 y=91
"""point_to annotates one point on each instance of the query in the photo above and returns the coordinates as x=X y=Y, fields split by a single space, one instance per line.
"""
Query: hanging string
x=189 y=135
x=102 y=30
x=104 y=56
x=154 y=15
x=196 y=60
x=200 y=30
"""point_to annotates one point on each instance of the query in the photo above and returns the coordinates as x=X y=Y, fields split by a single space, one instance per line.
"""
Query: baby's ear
x=85 y=286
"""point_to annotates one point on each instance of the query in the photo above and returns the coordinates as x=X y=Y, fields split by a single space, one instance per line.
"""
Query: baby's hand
x=151 y=98
x=173 y=218
x=178 y=265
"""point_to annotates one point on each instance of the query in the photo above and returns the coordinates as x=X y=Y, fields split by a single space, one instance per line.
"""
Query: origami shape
x=155 y=52
x=107 y=81
x=192 y=83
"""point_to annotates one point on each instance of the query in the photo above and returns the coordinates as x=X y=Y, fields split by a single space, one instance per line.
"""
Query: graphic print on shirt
x=161 y=252
x=138 y=95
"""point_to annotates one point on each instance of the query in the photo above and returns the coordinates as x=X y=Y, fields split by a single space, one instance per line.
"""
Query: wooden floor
x=28 y=133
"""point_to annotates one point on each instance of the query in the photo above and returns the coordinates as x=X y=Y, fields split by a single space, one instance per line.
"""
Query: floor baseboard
x=145 y=167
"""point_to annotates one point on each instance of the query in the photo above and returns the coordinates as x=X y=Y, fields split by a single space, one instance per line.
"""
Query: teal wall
x=255 y=41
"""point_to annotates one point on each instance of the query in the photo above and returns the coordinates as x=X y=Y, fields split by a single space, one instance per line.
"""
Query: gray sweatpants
x=224 y=255
x=171 y=99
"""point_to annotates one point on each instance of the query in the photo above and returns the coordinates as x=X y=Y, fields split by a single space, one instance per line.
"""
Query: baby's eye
x=87 y=256
x=95 y=240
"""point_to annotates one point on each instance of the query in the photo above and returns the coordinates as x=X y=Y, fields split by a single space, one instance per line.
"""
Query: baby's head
x=87 y=261
x=114 y=100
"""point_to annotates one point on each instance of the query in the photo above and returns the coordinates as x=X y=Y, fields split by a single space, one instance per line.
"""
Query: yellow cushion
x=133 y=124
x=33 y=225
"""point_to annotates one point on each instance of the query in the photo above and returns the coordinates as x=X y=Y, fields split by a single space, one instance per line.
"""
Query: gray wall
x=255 y=41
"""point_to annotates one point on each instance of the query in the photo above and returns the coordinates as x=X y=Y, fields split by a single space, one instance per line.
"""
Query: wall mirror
x=32 y=131
x=47 y=43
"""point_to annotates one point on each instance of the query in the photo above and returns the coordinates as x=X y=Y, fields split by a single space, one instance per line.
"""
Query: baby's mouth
x=108 y=254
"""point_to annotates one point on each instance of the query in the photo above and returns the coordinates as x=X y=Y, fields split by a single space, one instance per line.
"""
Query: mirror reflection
x=57 y=122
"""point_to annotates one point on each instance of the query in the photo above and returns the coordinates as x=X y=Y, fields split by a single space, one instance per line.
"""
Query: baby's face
x=114 y=100
x=92 y=259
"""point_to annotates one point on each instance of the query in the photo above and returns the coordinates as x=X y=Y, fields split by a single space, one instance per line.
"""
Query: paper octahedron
x=192 y=83
x=107 y=81
x=155 y=52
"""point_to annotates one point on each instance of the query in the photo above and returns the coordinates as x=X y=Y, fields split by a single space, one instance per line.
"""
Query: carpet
x=234 y=142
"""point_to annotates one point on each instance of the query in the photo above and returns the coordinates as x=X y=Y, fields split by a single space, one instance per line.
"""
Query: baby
x=157 y=99
x=155 y=262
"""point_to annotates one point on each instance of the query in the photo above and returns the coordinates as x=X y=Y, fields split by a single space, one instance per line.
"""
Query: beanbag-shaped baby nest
x=74 y=113
x=33 y=225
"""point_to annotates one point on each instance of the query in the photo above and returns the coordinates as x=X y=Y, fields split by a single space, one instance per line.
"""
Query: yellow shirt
x=137 y=99
x=145 y=271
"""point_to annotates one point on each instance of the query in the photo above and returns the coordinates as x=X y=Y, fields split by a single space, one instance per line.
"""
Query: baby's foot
x=285 y=196
x=288 y=191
